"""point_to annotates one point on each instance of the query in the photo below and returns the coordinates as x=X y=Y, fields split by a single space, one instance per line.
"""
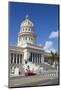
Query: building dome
x=27 y=32
x=27 y=22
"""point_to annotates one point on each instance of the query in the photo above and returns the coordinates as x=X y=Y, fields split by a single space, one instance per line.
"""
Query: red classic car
x=29 y=73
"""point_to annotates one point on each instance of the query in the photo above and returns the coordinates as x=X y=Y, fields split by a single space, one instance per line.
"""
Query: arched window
x=29 y=29
x=23 y=29
x=26 y=38
x=26 y=29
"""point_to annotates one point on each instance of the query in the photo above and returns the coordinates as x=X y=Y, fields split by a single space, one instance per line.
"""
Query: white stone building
x=27 y=49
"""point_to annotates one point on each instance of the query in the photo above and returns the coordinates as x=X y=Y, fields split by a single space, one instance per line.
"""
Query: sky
x=45 y=19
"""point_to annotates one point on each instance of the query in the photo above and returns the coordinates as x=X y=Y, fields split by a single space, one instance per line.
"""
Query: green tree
x=53 y=57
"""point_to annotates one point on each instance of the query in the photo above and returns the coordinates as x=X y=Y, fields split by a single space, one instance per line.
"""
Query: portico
x=16 y=58
x=35 y=58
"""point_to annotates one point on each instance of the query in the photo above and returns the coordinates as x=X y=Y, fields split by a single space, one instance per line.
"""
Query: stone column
x=16 y=58
x=42 y=58
x=37 y=59
x=32 y=57
x=10 y=59
x=19 y=58
x=13 y=58
x=26 y=55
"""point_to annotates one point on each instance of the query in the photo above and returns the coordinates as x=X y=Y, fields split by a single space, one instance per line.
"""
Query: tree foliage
x=53 y=57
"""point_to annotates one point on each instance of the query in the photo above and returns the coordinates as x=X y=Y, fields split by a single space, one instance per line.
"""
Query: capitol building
x=27 y=50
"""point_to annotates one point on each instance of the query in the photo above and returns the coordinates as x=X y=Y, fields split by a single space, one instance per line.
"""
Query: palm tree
x=53 y=57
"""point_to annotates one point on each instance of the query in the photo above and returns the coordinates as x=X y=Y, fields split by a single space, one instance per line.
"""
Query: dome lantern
x=27 y=16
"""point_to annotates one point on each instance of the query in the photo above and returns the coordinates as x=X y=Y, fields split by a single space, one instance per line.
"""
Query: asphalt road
x=33 y=81
x=44 y=82
x=41 y=83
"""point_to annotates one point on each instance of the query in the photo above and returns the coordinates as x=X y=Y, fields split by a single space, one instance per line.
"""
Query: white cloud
x=40 y=44
x=53 y=35
x=49 y=46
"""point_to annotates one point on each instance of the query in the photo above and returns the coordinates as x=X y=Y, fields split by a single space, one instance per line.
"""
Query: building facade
x=27 y=49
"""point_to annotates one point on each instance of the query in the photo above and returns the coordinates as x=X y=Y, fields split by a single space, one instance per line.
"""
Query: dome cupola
x=27 y=22
x=27 y=33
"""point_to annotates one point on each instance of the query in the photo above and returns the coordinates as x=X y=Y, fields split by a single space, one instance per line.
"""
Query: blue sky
x=44 y=17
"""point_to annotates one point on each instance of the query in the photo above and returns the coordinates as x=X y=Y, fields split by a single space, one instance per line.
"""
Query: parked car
x=29 y=73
